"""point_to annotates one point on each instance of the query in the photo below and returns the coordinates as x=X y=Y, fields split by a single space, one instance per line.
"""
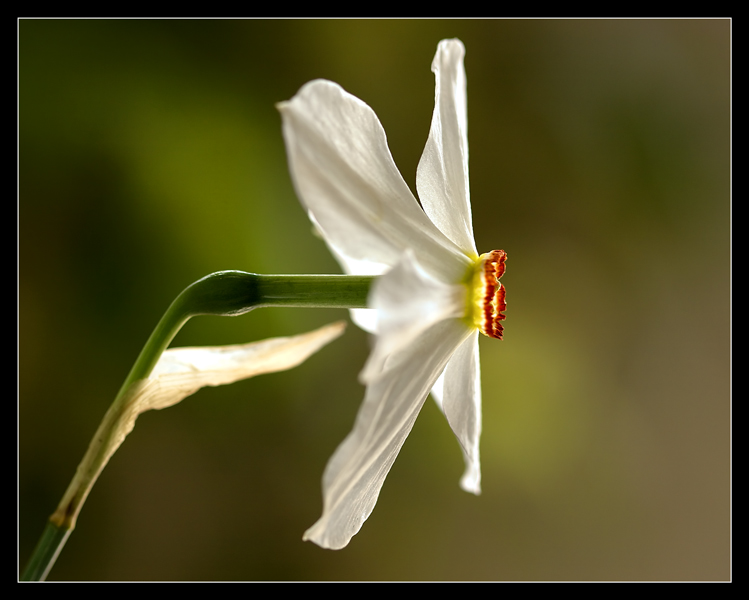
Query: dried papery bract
x=179 y=373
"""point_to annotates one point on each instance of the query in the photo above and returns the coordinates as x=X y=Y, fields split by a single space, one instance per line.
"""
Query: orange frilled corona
x=489 y=294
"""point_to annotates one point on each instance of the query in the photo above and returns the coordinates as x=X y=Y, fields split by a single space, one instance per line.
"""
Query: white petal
x=458 y=394
x=408 y=301
x=442 y=175
x=357 y=470
x=365 y=318
x=437 y=391
x=345 y=176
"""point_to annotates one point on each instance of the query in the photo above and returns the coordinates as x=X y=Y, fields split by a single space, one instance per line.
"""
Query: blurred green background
x=151 y=155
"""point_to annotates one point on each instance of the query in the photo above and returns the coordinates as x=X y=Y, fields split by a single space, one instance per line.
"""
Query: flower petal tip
x=451 y=45
x=323 y=539
x=470 y=485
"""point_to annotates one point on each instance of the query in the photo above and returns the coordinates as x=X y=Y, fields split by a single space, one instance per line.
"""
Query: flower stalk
x=225 y=293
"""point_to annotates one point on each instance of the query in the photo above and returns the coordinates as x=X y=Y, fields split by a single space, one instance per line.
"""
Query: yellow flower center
x=488 y=294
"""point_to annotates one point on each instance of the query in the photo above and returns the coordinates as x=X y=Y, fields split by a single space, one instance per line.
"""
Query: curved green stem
x=226 y=293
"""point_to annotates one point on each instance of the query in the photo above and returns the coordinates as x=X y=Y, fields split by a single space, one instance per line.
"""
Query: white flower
x=435 y=292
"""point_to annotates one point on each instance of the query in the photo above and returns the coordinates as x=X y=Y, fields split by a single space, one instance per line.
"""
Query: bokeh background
x=151 y=155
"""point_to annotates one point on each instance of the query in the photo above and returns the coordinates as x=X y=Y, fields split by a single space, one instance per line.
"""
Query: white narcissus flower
x=435 y=292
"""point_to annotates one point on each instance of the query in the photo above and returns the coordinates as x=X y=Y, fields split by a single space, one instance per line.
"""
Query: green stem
x=233 y=293
x=226 y=293
x=46 y=552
